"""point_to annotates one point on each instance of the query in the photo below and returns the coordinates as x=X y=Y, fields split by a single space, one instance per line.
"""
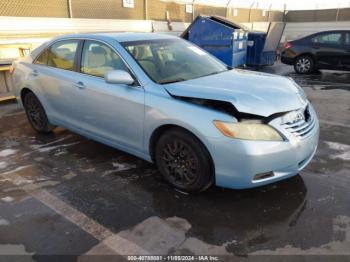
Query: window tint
x=42 y=58
x=61 y=54
x=332 y=38
x=98 y=59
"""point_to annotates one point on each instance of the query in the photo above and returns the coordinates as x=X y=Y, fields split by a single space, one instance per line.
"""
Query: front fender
x=161 y=110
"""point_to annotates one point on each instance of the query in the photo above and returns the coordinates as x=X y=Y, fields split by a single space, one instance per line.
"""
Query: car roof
x=321 y=32
x=120 y=37
x=330 y=31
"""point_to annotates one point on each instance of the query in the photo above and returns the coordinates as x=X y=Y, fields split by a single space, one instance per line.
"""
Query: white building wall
x=37 y=30
x=297 y=30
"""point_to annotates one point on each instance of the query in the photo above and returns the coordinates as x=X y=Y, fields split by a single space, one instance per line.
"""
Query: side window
x=42 y=58
x=332 y=38
x=98 y=59
x=62 y=54
x=347 y=39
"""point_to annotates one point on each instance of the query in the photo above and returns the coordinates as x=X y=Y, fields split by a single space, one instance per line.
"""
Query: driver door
x=110 y=112
x=328 y=49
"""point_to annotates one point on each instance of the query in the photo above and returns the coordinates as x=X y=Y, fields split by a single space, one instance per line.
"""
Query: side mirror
x=119 y=77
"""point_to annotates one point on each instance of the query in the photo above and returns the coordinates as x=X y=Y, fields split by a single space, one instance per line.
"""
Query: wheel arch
x=159 y=131
x=307 y=54
x=24 y=91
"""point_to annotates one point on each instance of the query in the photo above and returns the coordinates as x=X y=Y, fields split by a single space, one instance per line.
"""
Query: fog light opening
x=263 y=176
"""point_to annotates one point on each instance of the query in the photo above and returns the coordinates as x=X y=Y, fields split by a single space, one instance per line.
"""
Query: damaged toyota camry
x=169 y=102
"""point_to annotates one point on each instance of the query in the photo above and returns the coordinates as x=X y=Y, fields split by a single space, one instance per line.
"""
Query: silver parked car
x=167 y=101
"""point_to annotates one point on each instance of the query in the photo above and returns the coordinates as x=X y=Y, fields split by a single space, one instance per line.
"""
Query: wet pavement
x=62 y=194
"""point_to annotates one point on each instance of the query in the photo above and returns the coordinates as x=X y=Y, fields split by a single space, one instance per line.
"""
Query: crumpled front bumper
x=237 y=162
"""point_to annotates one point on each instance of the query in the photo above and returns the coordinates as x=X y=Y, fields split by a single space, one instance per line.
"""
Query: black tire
x=36 y=114
x=304 y=64
x=183 y=161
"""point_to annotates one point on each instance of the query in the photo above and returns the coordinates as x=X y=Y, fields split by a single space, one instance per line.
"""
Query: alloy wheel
x=180 y=163
x=303 y=65
x=35 y=113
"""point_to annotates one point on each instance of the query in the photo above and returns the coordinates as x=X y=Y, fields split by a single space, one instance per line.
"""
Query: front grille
x=302 y=128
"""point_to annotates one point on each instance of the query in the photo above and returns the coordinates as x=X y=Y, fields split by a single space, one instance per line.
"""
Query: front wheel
x=184 y=161
x=36 y=114
x=304 y=64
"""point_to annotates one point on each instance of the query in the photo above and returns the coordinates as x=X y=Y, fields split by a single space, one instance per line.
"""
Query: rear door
x=328 y=49
x=53 y=76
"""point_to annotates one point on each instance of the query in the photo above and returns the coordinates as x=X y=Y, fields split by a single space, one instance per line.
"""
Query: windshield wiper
x=182 y=79
x=215 y=73
x=171 y=81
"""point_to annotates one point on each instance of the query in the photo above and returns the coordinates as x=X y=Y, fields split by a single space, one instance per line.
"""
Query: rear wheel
x=36 y=114
x=304 y=65
x=184 y=161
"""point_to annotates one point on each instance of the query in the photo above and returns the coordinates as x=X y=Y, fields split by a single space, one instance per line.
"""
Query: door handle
x=79 y=85
x=316 y=47
x=35 y=73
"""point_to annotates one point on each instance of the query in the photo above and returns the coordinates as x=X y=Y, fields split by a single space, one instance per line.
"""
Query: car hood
x=250 y=92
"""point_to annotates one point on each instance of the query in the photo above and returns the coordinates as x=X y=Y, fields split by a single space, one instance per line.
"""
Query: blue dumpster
x=225 y=40
x=261 y=47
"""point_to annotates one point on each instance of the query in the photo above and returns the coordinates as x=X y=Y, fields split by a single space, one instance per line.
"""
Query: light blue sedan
x=169 y=102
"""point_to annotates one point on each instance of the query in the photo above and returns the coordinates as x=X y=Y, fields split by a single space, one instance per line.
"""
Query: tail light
x=287 y=45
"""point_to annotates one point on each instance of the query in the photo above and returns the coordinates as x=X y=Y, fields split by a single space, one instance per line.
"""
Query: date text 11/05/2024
x=173 y=258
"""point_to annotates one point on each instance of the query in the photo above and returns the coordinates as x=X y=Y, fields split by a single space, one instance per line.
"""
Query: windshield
x=173 y=60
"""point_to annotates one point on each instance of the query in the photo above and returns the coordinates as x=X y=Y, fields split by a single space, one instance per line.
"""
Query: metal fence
x=159 y=10
x=141 y=9
x=34 y=8
x=334 y=15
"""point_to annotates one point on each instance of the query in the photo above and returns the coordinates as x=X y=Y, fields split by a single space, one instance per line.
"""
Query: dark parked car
x=323 y=50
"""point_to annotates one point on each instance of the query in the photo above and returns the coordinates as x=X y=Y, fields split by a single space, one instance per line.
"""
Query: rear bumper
x=238 y=162
x=286 y=60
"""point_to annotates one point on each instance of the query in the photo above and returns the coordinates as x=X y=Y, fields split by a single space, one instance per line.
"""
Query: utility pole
x=146 y=9
x=285 y=12
x=227 y=7
x=337 y=15
x=70 y=12
x=193 y=10
x=268 y=13
x=250 y=11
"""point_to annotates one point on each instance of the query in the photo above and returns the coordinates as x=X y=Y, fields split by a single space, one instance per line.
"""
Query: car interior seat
x=146 y=62
x=95 y=62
